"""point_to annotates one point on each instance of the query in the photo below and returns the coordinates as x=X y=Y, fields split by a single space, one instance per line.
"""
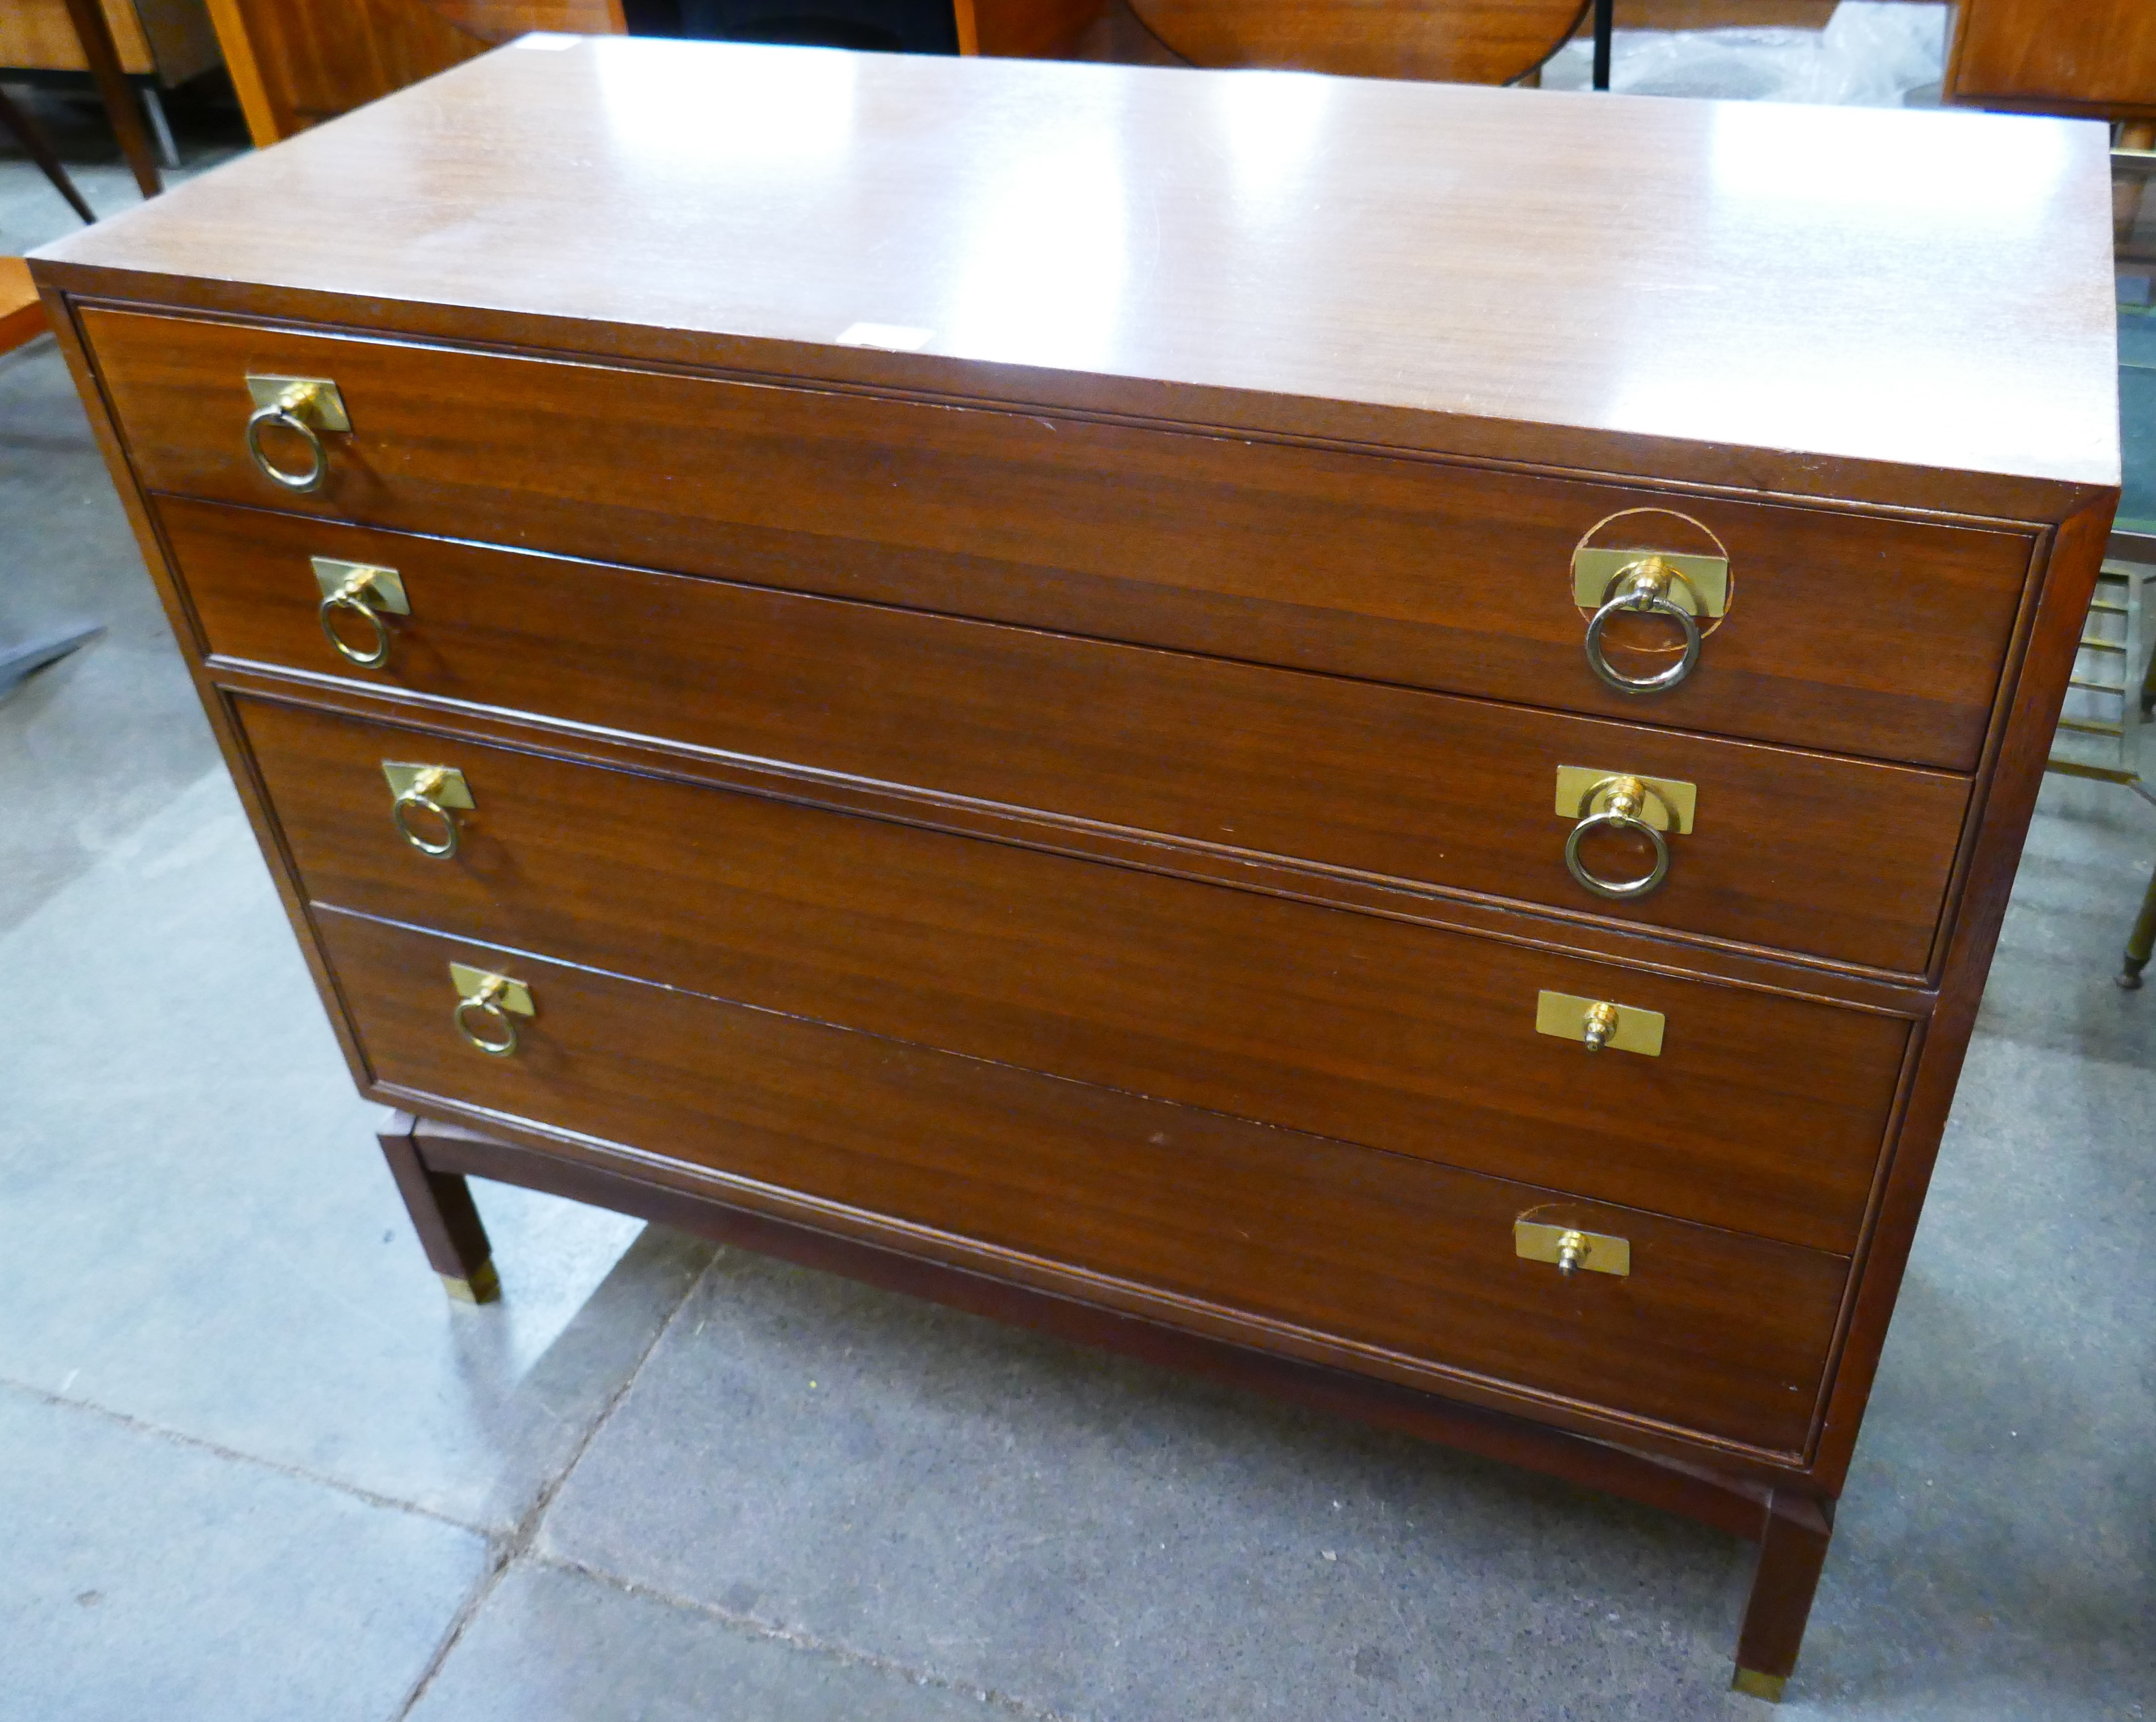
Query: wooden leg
x=113 y=90
x=440 y=1205
x=2140 y=942
x=1791 y=1554
x=2128 y=189
x=34 y=146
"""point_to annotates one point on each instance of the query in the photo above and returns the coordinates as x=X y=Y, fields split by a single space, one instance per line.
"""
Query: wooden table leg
x=442 y=1213
x=33 y=141
x=2140 y=942
x=1791 y=1554
x=118 y=96
x=2128 y=189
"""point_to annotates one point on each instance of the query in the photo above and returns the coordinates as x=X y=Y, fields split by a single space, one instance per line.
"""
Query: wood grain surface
x=22 y=314
x=1848 y=633
x=1476 y=41
x=1762 y=1113
x=1263 y=412
x=1714 y=1332
x=1817 y=286
x=2095 y=57
x=1837 y=858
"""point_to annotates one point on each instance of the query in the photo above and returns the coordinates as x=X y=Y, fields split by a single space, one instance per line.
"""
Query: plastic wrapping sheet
x=1872 y=53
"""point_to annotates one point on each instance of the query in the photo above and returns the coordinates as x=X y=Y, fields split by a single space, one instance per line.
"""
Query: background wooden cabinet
x=296 y=63
x=172 y=38
x=2096 y=57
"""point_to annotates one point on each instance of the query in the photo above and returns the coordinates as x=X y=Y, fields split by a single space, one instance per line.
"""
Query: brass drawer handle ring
x=289 y=411
x=494 y=1000
x=485 y=1003
x=353 y=596
x=1619 y=812
x=421 y=796
x=1644 y=588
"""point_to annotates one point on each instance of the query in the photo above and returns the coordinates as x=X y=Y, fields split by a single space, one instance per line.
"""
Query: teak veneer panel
x=1438 y=576
x=1899 y=307
x=2097 y=57
x=1711 y=1331
x=1762 y=1113
x=1839 y=858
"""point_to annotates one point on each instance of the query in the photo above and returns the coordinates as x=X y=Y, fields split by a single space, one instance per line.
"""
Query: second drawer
x=1762 y=1113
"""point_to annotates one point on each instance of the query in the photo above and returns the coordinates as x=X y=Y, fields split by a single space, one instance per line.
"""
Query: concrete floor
x=254 y=1465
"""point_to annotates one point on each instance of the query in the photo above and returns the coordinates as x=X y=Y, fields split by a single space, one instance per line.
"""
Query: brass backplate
x=1601 y=1253
x=452 y=792
x=1564 y=1015
x=515 y=995
x=1704 y=590
x=1672 y=796
x=385 y=586
x=323 y=409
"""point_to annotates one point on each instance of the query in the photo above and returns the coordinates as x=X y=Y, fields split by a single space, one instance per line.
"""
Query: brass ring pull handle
x=1620 y=812
x=487 y=1002
x=1643 y=588
x=490 y=1000
x=421 y=795
x=354 y=596
x=289 y=410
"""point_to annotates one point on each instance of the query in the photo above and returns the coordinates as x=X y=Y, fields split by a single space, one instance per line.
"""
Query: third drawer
x=1761 y=1112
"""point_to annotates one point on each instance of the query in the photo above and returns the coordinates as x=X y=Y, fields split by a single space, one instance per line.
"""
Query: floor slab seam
x=748 y=1624
x=297 y=1473
x=504 y=1549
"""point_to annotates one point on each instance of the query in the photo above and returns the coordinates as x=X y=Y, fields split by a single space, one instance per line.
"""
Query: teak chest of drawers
x=1367 y=737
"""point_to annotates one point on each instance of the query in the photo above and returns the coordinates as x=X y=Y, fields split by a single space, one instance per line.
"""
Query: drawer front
x=1842 y=860
x=1405 y=1261
x=1850 y=633
x=1761 y=1112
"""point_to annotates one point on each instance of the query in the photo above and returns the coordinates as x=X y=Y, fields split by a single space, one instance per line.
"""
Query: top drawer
x=1849 y=633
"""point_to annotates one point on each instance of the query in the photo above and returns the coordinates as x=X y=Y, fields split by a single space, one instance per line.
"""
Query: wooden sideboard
x=1367 y=737
x=2096 y=57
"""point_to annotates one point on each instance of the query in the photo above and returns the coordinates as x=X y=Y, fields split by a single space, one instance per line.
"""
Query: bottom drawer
x=1409 y=1266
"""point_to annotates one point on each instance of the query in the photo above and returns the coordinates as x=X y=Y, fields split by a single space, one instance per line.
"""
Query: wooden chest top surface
x=1809 y=293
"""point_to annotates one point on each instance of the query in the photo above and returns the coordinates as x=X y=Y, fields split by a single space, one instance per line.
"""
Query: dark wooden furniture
x=981 y=692
x=34 y=143
x=28 y=38
x=130 y=48
x=94 y=31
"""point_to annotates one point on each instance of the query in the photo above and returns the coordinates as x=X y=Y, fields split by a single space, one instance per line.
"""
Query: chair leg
x=1791 y=1555
x=34 y=146
x=2127 y=190
x=2140 y=942
x=442 y=1213
x=113 y=89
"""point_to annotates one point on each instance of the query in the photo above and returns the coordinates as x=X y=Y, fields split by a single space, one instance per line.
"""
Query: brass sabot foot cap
x=1756 y=1684
x=483 y=1287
